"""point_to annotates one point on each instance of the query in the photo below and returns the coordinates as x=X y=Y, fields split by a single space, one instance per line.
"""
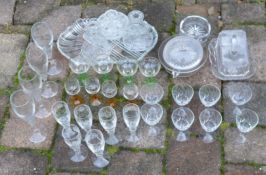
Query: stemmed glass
x=151 y=115
x=127 y=68
x=131 y=116
x=239 y=93
x=209 y=95
x=24 y=107
x=130 y=91
x=92 y=86
x=72 y=138
x=61 y=113
x=149 y=66
x=103 y=64
x=151 y=93
x=38 y=61
x=83 y=116
x=109 y=89
x=72 y=86
x=210 y=120
x=182 y=94
x=246 y=121
x=108 y=120
x=32 y=84
x=95 y=142
x=182 y=119
x=42 y=36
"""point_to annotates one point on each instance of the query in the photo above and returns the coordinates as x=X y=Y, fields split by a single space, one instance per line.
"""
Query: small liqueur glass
x=127 y=67
x=209 y=95
x=151 y=93
x=109 y=89
x=83 y=116
x=72 y=86
x=130 y=91
x=149 y=66
x=182 y=94
x=103 y=64
x=92 y=85
x=61 y=113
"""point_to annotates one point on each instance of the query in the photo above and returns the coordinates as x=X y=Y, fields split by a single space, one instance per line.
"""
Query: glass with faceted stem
x=31 y=83
x=182 y=94
x=96 y=143
x=24 y=107
x=210 y=120
x=83 y=116
x=151 y=93
x=72 y=86
x=109 y=88
x=72 y=138
x=61 y=113
x=182 y=119
x=108 y=120
x=209 y=95
x=239 y=93
x=131 y=116
x=42 y=36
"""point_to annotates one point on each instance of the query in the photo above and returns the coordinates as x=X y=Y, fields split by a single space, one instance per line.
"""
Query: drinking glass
x=149 y=66
x=151 y=115
x=131 y=116
x=182 y=94
x=92 y=85
x=209 y=95
x=210 y=120
x=130 y=91
x=95 y=142
x=108 y=120
x=24 y=107
x=151 y=93
x=38 y=61
x=61 y=113
x=42 y=36
x=182 y=119
x=72 y=86
x=83 y=116
x=127 y=67
x=239 y=93
x=31 y=84
x=246 y=120
x=72 y=138
x=109 y=89
x=103 y=64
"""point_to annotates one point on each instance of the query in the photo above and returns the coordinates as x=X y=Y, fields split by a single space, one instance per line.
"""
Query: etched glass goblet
x=151 y=115
x=96 y=143
x=109 y=89
x=209 y=95
x=131 y=116
x=108 y=120
x=182 y=94
x=149 y=66
x=83 y=116
x=72 y=86
x=210 y=120
x=72 y=138
x=239 y=93
x=182 y=119
x=130 y=91
x=61 y=113
x=151 y=93
x=24 y=107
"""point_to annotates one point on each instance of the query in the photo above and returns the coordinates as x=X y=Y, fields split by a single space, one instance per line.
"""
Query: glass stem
x=49 y=52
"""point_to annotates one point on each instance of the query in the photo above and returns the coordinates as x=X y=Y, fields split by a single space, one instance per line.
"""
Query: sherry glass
x=24 y=107
x=108 y=120
x=83 y=116
x=151 y=115
x=96 y=143
x=149 y=66
x=31 y=83
x=92 y=85
x=182 y=94
x=131 y=116
x=42 y=36
x=239 y=93
x=109 y=89
x=182 y=119
x=72 y=138
x=102 y=64
x=72 y=86
x=61 y=113
x=127 y=67
x=210 y=120
x=130 y=91
x=209 y=95
x=151 y=93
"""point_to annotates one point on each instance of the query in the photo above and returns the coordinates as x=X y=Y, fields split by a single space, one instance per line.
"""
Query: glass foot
x=208 y=138
x=54 y=67
x=100 y=162
x=80 y=156
x=152 y=131
x=112 y=140
x=181 y=137
x=241 y=139
x=42 y=112
x=50 y=89
x=37 y=137
x=133 y=138
x=96 y=102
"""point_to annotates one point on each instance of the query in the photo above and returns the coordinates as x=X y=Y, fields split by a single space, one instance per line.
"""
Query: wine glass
x=83 y=116
x=42 y=36
x=239 y=93
x=246 y=121
x=210 y=120
x=72 y=138
x=130 y=91
x=108 y=120
x=31 y=84
x=149 y=66
x=209 y=95
x=131 y=116
x=151 y=115
x=38 y=61
x=103 y=64
x=182 y=94
x=127 y=67
x=151 y=93
x=109 y=89
x=72 y=86
x=92 y=85
x=95 y=142
x=24 y=107
x=182 y=119
x=61 y=113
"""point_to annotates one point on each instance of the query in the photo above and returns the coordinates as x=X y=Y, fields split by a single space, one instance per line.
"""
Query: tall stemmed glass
x=38 y=61
x=182 y=94
x=83 y=116
x=42 y=36
x=95 y=142
x=24 y=107
x=131 y=116
x=108 y=120
x=61 y=113
x=72 y=138
x=31 y=84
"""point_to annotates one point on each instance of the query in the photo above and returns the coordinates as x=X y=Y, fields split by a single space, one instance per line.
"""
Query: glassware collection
x=116 y=39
